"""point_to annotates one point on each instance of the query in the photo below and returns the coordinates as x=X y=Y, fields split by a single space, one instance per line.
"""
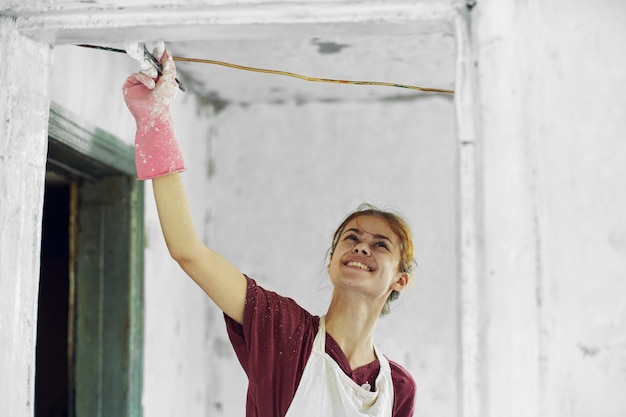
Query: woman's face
x=367 y=258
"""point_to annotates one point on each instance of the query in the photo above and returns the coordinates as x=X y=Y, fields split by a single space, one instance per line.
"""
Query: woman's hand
x=149 y=100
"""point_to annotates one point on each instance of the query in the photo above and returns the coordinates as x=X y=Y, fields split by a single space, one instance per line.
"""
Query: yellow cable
x=314 y=79
x=288 y=74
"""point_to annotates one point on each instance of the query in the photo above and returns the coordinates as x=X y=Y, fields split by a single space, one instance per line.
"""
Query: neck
x=352 y=323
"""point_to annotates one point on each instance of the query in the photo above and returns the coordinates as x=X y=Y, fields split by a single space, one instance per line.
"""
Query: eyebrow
x=360 y=232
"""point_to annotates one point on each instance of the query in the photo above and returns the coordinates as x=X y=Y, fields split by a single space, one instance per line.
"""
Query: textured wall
x=88 y=82
x=552 y=110
x=23 y=145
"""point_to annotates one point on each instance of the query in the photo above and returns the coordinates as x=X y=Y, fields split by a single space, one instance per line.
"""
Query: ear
x=402 y=280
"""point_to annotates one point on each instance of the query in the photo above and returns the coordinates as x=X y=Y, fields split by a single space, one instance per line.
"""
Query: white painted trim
x=24 y=105
x=470 y=267
x=182 y=23
x=273 y=9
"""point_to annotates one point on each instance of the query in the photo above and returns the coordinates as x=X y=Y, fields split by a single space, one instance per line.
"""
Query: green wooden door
x=106 y=272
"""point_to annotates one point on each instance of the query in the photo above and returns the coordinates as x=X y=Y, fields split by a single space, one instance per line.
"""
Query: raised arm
x=158 y=157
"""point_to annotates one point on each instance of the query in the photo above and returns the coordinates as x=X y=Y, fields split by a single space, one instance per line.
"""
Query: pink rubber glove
x=156 y=149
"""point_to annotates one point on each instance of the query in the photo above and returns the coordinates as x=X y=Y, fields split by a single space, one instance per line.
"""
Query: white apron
x=326 y=391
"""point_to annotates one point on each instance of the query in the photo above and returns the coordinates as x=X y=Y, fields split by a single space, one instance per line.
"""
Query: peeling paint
x=214 y=101
x=399 y=98
x=588 y=351
x=617 y=240
x=328 y=47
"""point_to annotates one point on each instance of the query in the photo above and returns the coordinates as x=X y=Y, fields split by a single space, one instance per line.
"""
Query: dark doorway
x=90 y=329
x=51 y=371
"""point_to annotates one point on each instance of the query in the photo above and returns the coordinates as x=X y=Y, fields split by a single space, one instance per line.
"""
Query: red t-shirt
x=274 y=345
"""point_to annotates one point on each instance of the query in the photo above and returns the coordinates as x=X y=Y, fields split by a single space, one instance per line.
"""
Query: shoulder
x=271 y=306
x=401 y=377
x=268 y=314
x=404 y=391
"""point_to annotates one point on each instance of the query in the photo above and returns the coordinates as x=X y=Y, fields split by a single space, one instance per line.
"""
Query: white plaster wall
x=552 y=111
x=89 y=82
x=23 y=144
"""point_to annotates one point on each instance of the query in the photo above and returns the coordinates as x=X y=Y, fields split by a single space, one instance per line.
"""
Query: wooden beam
x=117 y=23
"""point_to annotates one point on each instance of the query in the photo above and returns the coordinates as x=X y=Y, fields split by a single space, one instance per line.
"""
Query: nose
x=361 y=248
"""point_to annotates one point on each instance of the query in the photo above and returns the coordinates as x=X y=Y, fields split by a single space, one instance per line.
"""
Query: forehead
x=373 y=225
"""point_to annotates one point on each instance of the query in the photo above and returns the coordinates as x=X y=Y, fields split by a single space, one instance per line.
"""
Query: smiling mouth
x=358 y=265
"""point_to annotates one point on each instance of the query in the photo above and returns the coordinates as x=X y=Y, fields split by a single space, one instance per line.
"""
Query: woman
x=297 y=364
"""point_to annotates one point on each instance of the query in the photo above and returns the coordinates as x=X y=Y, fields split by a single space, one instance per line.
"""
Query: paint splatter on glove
x=156 y=150
x=136 y=50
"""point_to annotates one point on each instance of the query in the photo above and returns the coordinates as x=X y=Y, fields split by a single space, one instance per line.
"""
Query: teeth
x=358 y=265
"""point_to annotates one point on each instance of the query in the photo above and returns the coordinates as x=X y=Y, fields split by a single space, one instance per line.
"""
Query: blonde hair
x=399 y=226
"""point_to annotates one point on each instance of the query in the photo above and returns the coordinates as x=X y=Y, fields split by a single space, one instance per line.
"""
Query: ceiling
x=398 y=41
x=423 y=59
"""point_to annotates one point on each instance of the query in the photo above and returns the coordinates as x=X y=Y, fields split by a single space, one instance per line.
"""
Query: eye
x=351 y=236
x=382 y=244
